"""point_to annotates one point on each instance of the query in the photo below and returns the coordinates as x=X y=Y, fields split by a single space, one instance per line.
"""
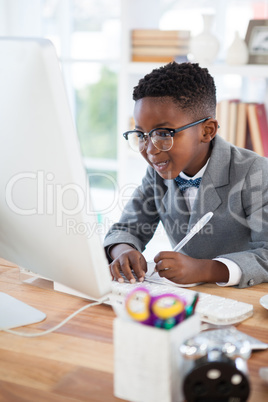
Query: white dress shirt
x=190 y=196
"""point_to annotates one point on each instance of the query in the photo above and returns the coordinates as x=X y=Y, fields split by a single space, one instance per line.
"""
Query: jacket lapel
x=216 y=175
x=208 y=199
x=173 y=202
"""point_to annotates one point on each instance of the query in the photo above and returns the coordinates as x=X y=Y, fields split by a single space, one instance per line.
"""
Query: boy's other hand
x=183 y=269
x=127 y=260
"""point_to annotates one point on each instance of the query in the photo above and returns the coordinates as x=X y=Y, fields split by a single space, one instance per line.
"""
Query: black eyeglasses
x=162 y=138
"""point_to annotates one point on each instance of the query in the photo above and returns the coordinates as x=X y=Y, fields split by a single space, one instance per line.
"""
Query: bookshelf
x=135 y=70
x=132 y=167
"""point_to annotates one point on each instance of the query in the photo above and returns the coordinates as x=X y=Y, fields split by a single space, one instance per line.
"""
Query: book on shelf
x=263 y=125
x=159 y=50
x=152 y=59
x=244 y=124
x=159 y=33
x=153 y=42
x=222 y=115
x=226 y=114
x=154 y=45
x=248 y=140
x=232 y=127
x=257 y=120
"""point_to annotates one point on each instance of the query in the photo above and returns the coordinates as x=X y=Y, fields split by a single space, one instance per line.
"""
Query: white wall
x=20 y=17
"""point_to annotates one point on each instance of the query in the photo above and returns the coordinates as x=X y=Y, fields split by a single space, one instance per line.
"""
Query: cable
x=33 y=335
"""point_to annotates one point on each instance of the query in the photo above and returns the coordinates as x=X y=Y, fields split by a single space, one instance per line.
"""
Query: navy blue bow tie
x=184 y=184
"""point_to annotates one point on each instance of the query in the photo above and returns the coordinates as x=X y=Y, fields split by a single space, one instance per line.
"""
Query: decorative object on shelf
x=205 y=46
x=155 y=45
x=257 y=41
x=237 y=53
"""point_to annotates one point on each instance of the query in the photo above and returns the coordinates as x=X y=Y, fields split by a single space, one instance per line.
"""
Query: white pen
x=195 y=229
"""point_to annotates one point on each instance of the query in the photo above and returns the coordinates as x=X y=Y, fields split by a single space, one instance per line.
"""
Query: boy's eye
x=161 y=133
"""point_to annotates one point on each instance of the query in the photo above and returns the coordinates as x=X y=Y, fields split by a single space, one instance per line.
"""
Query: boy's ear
x=210 y=128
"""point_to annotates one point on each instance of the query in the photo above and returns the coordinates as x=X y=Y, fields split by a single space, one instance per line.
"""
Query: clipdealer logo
x=39 y=193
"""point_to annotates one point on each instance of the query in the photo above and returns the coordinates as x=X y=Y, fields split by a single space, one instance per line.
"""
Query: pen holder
x=148 y=365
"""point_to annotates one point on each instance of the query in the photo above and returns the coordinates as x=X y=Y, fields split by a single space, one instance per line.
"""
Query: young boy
x=176 y=132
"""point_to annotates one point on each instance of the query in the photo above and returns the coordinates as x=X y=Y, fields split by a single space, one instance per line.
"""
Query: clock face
x=258 y=43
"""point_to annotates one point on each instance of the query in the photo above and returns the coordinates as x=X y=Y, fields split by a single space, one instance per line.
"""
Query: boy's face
x=191 y=147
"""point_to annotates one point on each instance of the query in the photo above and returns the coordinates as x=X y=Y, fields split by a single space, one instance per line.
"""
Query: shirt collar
x=198 y=174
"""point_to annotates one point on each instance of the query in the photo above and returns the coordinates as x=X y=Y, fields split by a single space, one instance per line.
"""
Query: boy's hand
x=126 y=260
x=180 y=268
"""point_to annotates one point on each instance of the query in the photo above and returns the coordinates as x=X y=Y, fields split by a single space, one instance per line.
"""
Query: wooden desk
x=75 y=363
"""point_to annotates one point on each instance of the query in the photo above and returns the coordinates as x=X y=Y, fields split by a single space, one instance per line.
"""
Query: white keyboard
x=212 y=309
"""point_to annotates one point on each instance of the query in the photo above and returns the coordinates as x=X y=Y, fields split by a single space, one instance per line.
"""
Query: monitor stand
x=30 y=278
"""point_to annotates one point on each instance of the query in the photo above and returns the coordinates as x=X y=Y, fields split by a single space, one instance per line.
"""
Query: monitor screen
x=44 y=189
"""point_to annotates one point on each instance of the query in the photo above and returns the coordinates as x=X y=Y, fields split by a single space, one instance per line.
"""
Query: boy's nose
x=150 y=147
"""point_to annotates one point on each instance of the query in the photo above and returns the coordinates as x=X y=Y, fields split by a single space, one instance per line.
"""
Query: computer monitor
x=47 y=224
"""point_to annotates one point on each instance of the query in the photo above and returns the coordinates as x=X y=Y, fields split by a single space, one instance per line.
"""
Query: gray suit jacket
x=234 y=187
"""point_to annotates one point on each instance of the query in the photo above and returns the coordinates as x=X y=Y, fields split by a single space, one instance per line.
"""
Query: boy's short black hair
x=190 y=86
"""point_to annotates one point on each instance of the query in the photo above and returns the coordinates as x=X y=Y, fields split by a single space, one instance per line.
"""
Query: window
x=86 y=35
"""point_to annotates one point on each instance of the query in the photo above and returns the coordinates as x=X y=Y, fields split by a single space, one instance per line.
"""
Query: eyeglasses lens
x=136 y=142
x=161 y=139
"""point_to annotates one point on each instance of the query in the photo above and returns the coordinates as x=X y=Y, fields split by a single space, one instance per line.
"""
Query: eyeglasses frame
x=172 y=131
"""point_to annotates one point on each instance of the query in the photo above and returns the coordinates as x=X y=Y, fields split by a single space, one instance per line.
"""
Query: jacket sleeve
x=253 y=261
x=139 y=219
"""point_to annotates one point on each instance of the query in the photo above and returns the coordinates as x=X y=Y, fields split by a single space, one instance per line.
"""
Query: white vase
x=237 y=53
x=205 y=46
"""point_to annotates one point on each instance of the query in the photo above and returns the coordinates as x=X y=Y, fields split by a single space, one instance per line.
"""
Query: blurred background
x=93 y=43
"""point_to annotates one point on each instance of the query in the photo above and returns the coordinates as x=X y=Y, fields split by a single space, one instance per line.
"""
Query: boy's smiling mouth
x=160 y=165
